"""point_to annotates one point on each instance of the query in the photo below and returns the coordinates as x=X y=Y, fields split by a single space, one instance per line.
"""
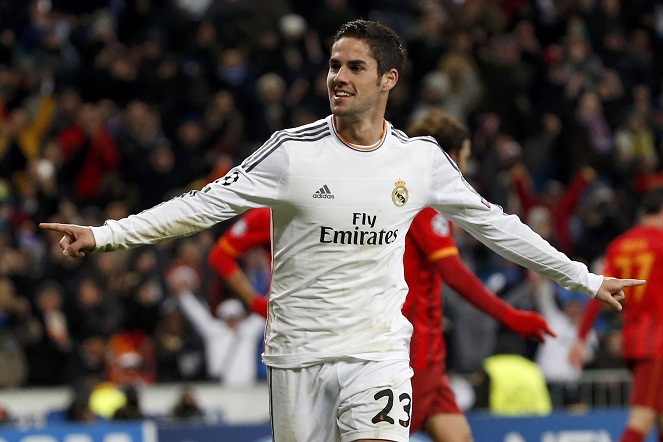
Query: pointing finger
x=56 y=227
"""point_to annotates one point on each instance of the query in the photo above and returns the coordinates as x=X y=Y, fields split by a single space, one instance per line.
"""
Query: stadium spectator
x=231 y=338
x=179 y=352
x=18 y=328
x=91 y=156
x=562 y=310
x=560 y=201
x=225 y=125
x=130 y=359
x=131 y=410
x=600 y=220
x=54 y=349
x=634 y=143
x=506 y=80
x=426 y=41
x=79 y=408
x=187 y=406
x=191 y=151
x=591 y=141
x=159 y=176
x=93 y=312
x=271 y=93
x=88 y=363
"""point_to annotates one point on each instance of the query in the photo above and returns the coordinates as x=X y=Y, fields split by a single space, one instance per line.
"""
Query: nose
x=340 y=76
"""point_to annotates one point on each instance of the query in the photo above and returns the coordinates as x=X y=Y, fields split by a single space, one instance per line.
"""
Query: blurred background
x=108 y=107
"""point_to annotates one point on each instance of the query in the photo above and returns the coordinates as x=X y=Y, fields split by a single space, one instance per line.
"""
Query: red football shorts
x=647 y=383
x=431 y=394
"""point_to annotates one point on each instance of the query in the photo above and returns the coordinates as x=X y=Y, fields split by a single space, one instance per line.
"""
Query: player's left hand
x=528 y=324
x=612 y=290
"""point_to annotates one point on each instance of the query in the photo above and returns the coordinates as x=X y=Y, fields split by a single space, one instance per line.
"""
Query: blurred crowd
x=109 y=107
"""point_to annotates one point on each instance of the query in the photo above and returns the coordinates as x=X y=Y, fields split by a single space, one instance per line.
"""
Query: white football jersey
x=340 y=213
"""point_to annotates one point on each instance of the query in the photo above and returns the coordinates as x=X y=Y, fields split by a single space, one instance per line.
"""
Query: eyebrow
x=351 y=62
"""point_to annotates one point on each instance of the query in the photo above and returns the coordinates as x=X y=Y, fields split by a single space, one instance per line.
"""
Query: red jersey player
x=639 y=252
x=431 y=256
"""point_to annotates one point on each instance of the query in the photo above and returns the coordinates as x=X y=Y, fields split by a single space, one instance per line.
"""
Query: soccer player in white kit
x=343 y=192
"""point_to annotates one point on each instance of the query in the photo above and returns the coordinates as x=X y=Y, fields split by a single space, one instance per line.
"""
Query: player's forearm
x=463 y=281
x=178 y=217
x=508 y=236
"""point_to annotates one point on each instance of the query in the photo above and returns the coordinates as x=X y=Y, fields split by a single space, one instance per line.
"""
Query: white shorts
x=343 y=401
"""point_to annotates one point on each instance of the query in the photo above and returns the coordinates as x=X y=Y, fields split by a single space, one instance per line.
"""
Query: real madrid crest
x=400 y=194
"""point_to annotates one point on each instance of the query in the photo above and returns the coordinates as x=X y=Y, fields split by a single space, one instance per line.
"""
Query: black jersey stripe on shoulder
x=400 y=134
x=278 y=138
x=452 y=162
x=430 y=139
x=302 y=130
x=267 y=150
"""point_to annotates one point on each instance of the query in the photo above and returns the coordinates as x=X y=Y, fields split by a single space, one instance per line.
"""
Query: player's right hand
x=77 y=240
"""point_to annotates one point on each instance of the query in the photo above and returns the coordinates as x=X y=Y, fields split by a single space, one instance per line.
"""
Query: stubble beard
x=352 y=113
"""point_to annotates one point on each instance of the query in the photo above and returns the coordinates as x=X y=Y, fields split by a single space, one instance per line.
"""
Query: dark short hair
x=447 y=130
x=385 y=45
x=652 y=202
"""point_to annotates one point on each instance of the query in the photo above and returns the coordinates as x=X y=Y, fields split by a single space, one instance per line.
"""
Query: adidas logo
x=324 y=192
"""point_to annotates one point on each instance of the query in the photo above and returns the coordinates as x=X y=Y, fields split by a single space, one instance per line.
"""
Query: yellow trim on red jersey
x=443 y=253
x=229 y=249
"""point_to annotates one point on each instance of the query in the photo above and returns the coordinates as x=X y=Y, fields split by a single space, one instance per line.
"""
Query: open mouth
x=342 y=94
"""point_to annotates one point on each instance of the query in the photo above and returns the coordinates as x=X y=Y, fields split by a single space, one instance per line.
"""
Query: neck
x=362 y=133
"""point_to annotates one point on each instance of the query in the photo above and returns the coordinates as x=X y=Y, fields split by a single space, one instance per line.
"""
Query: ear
x=389 y=80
